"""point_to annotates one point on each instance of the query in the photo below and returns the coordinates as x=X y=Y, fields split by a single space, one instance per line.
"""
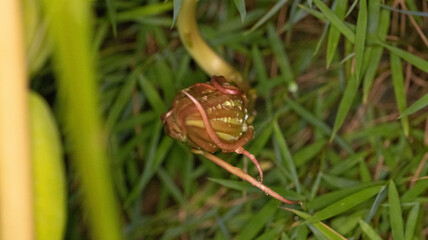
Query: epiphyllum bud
x=211 y=116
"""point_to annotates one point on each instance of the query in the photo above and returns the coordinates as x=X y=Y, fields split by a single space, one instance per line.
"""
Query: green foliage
x=358 y=185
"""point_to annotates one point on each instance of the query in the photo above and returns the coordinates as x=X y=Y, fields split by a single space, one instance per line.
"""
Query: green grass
x=323 y=70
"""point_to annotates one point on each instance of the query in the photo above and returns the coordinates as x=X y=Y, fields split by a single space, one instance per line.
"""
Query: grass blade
x=335 y=21
x=395 y=216
x=399 y=90
x=281 y=56
x=369 y=231
x=257 y=222
x=360 y=38
x=286 y=155
x=411 y=222
x=345 y=104
x=419 y=187
x=177 y=6
x=152 y=95
x=376 y=204
x=111 y=10
x=376 y=51
x=416 y=106
x=324 y=229
x=240 y=5
x=268 y=15
x=344 y=204
x=410 y=58
x=334 y=34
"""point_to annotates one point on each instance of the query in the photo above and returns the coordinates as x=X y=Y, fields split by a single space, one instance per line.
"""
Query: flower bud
x=224 y=106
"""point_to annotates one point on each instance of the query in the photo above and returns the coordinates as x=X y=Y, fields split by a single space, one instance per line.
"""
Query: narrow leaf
x=111 y=10
x=345 y=104
x=268 y=15
x=416 y=106
x=240 y=5
x=177 y=6
x=369 y=231
x=360 y=38
x=411 y=222
x=258 y=220
x=345 y=204
x=286 y=155
x=410 y=58
x=280 y=55
x=395 y=216
x=334 y=20
x=399 y=90
x=334 y=34
x=324 y=229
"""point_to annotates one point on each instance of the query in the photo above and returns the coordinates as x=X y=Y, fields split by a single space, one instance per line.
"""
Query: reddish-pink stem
x=211 y=133
x=238 y=172
x=242 y=151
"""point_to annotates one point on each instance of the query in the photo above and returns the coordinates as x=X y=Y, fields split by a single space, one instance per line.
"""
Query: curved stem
x=207 y=59
x=238 y=172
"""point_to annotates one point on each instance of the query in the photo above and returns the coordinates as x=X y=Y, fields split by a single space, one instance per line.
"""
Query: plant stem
x=240 y=173
x=207 y=59
x=16 y=201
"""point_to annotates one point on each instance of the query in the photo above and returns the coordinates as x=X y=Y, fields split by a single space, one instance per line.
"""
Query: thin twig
x=238 y=172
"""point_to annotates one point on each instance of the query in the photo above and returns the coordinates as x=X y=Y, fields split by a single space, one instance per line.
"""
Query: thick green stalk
x=207 y=59
x=69 y=28
x=203 y=54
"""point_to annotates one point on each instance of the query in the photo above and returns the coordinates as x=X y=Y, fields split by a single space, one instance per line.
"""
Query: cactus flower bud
x=211 y=116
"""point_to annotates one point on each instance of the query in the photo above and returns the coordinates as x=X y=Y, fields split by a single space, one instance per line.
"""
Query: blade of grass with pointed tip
x=411 y=222
x=177 y=6
x=240 y=5
x=324 y=229
x=286 y=155
x=395 y=217
x=121 y=101
x=334 y=20
x=152 y=95
x=258 y=220
x=360 y=38
x=280 y=55
x=345 y=104
x=322 y=38
x=399 y=90
x=329 y=198
x=268 y=15
x=111 y=10
x=369 y=231
x=416 y=106
x=376 y=53
x=376 y=204
x=413 y=13
x=410 y=58
x=313 y=12
x=334 y=34
x=419 y=187
x=345 y=204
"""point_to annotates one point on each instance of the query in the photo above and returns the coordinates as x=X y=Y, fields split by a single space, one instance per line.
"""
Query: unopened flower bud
x=224 y=106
